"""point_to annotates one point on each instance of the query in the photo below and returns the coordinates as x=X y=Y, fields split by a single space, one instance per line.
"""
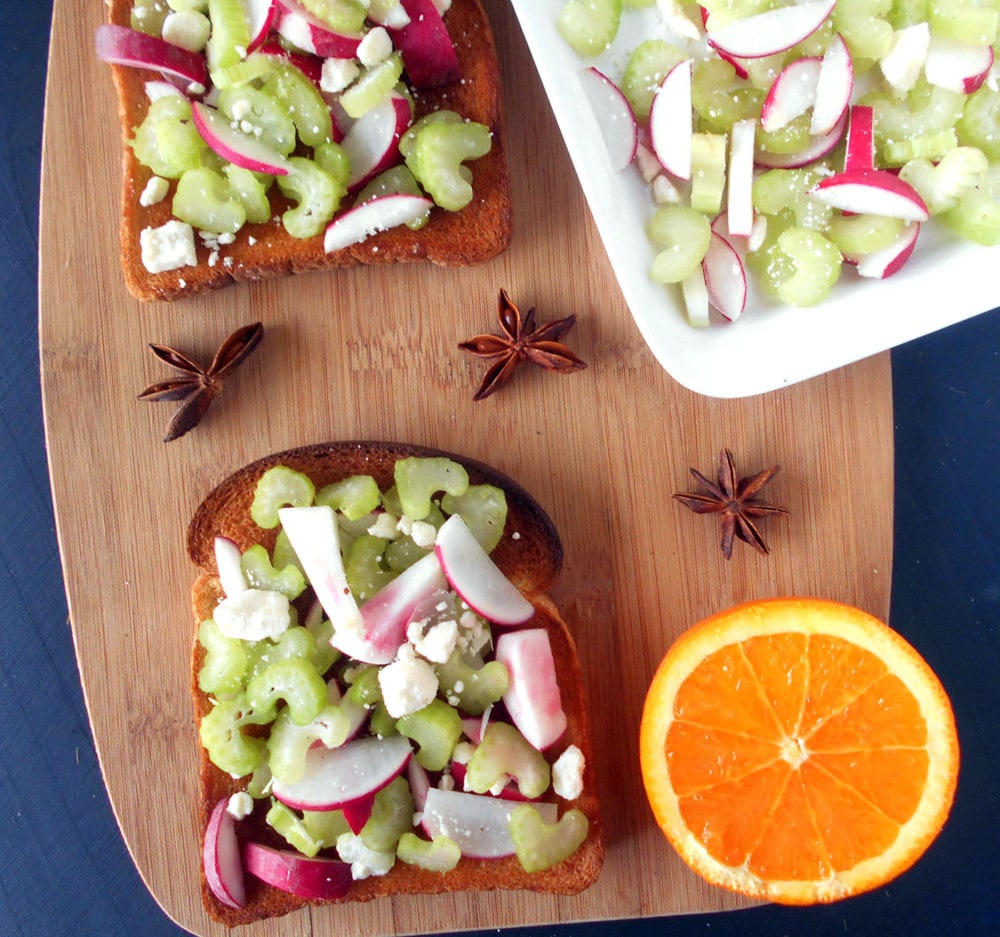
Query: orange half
x=797 y=750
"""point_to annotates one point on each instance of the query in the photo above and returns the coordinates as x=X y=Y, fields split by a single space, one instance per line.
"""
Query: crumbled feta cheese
x=253 y=614
x=437 y=643
x=337 y=74
x=385 y=527
x=168 y=247
x=473 y=634
x=364 y=862
x=408 y=684
x=240 y=805
x=188 y=29
x=155 y=191
x=567 y=773
x=462 y=753
x=376 y=47
x=396 y=17
x=241 y=109
x=423 y=534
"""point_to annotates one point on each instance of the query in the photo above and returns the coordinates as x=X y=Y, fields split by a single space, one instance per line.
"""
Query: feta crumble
x=364 y=862
x=168 y=247
x=408 y=684
x=155 y=191
x=567 y=773
x=253 y=614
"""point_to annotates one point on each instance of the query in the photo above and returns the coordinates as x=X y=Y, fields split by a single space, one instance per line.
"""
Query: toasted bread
x=530 y=554
x=463 y=238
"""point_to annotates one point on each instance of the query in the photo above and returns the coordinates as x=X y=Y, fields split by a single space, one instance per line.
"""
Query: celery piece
x=720 y=97
x=647 y=66
x=397 y=180
x=473 y=689
x=283 y=554
x=976 y=218
x=417 y=479
x=436 y=730
x=391 y=816
x=230 y=33
x=971 y=22
x=932 y=146
x=259 y=116
x=484 y=510
x=815 y=267
x=779 y=190
x=302 y=101
x=979 y=125
x=589 y=26
x=249 y=188
x=409 y=136
x=438 y=855
x=363 y=686
x=391 y=501
x=222 y=737
x=941 y=186
x=295 y=642
x=296 y=682
x=708 y=171
x=277 y=487
x=365 y=568
x=147 y=16
x=926 y=109
x=864 y=26
x=857 y=235
x=324 y=655
x=286 y=822
x=373 y=85
x=505 y=753
x=204 y=200
x=225 y=663
x=261 y=574
x=682 y=235
x=436 y=160
x=259 y=785
x=288 y=742
x=343 y=15
x=540 y=845
x=381 y=723
x=325 y=826
x=354 y=497
x=317 y=194
x=402 y=553
x=168 y=122
x=784 y=141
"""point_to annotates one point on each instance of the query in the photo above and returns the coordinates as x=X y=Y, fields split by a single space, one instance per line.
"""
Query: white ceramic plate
x=771 y=345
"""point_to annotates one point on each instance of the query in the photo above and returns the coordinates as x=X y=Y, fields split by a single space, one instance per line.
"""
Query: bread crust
x=532 y=560
x=479 y=232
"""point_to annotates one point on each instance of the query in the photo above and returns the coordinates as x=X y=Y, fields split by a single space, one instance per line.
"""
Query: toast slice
x=529 y=553
x=470 y=236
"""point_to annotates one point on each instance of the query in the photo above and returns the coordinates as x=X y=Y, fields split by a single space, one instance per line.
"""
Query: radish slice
x=335 y=777
x=121 y=45
x=428 y=53
x=372 y=141
x=532 y=699
x=477 y=822
x=380 y=214
x=228 y=560
x=792 y=93
x=315 y=878
x=872 y=192
x=615 y=117
x=739 y=195
x=221 y=855
x=725 y=278
x=670 y=126
x=833 y=87
x=235 y=147
x=357 y=812
x=420 y=783
x=860 y=139
x=816 y=149
x=884 y=263
x=387 y=613
x=774 y=31
x=260 y=18
x=311 y=34
x=476 y=578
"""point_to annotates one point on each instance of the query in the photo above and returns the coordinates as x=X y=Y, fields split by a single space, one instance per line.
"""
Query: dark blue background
x=64 y=869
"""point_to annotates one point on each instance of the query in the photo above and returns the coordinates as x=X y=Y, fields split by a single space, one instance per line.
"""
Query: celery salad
x=381 y=690
x=795 y=141
x=313 y=99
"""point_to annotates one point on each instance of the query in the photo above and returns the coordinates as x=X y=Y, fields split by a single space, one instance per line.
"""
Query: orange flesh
x=807 y=778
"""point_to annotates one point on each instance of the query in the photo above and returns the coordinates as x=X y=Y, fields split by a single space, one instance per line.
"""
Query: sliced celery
x=279 y=487
x=436 y=730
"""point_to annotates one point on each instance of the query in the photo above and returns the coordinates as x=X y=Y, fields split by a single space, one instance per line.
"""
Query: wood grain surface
x=371 y=353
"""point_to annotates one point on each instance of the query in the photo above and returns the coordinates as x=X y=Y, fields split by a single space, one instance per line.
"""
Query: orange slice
x=797 y=750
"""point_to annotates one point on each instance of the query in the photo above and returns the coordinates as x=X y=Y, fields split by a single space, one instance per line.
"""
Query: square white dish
x=771 y=345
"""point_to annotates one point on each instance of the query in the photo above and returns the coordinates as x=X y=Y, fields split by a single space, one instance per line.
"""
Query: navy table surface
x=64 y=869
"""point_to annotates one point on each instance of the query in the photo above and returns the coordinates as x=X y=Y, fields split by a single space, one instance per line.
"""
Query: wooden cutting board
x=372 y=354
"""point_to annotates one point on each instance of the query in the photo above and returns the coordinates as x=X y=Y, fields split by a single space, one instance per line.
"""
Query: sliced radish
x=121 y=45
x=338 y=776
x=387 y=613
x=315 y=538
x=235 y=147
x=391 y=17
x=833 y=87
x=377 y=215
x=221 y=857
x=477 y=822
x=510 y=789
x=356 y=714
x=816 y=149
x=614 y=116
x=358 y=812
x=791 y=94
x=887 y=261
x=774 y=31
x=161 y=89
x=872 y=192
x=739 y=196
x=311 y=34
x=428 y=53
x=315 y=877
x=310 y=65
x=260 y=15
x=725 y=277
x=420 y=783
x=957 y=66
x=372 y=141
x=476 y=578
x=860 y=153
x=670 y=121
x=532 y=699
x=228 y=561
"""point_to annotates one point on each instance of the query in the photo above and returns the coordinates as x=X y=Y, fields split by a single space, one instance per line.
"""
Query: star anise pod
x=735 y=499
x=197 y=387
x=521 y=341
